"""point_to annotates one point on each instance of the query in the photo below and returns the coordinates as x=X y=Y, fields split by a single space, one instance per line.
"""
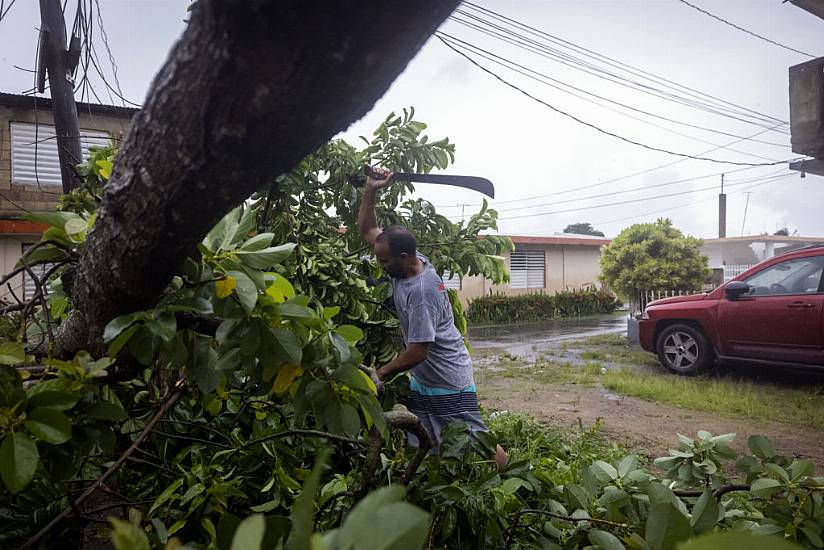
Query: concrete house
x=541 y=265
x=30 y=171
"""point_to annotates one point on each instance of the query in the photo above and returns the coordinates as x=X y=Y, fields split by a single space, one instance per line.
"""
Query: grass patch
x=592 y=355
x=725 y=396
x=612 y=348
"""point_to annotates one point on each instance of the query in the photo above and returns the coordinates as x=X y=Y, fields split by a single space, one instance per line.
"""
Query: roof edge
x=27 y=101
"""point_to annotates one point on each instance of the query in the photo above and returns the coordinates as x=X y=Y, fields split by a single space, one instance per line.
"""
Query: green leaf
x=723 y=438
x=705 y=513
x=167 y=493
x=128 y=536
x=49 y=425
x=666 y=525
x=246 y=290
x=249 y=534
x=119 y=324
x=340 y=346
x=391 y=523
x=236 y=232
x=778 y=471
x=18 y=461
x=258 y=242
x=290 y=343
x=812 y=536
x=55 y=219
x=605 y=540
x=290 y=309
x=75 y=226
x=765 y=487
x=330 y=312
x=62 y=401
x=228 y=224
x=122 y=339
x=266 y=258
x=801 y=468
x=736 y=540
x=761 y=447
x=350 y=333
x=12 y=353
x=164 y=326
x=304 y=506
x=627 y=464
x=604 y=471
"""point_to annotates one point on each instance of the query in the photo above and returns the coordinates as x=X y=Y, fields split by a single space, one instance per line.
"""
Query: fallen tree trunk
x=249 y=90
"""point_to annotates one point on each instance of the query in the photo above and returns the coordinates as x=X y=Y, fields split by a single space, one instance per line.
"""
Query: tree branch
x=170 y=402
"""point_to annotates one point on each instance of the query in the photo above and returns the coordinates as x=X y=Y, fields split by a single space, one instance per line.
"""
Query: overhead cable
x=742 y=29
x=593 y=126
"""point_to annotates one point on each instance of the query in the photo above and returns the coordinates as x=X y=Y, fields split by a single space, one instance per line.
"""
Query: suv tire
x=683 y=349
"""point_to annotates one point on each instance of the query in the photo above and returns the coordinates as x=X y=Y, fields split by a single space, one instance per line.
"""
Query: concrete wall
x=30 y=196
x=11 y=248
x=567 y=267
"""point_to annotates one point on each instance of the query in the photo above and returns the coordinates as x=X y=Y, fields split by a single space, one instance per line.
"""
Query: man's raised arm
x=367 y=220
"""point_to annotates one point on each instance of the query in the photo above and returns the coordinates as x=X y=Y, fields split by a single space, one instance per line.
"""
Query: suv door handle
x=800 y=304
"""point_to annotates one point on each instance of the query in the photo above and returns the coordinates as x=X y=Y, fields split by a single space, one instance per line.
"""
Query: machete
x=482 y=185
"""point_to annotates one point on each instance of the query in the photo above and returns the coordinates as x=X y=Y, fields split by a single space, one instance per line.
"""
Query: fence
x=643 y=297
x=731 y=271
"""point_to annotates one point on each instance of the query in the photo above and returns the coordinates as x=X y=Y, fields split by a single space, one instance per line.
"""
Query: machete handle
x=357 y=180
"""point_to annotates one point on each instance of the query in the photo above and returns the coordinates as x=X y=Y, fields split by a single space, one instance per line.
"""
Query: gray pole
x=746 y=205
x=54 y=57
x=722 y=211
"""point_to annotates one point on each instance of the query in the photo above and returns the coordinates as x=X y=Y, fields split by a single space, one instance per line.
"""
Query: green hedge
x=499 y=308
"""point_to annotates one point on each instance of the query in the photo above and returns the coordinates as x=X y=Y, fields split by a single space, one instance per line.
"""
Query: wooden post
x=54 y=58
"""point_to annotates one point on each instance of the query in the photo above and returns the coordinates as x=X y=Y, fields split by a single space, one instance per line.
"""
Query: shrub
x=499 y=308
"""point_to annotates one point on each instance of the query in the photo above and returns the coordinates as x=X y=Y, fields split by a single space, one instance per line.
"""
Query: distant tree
x=582 y=228
x=783 y=232
x=653 y=256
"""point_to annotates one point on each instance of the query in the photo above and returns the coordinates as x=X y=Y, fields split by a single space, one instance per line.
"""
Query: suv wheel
x=683 y=349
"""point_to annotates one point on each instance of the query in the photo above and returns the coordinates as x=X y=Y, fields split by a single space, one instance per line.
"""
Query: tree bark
x=250 y=89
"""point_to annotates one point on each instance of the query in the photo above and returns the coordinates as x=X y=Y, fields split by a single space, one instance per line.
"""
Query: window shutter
x=34 y=156
x=527 y=269
x=29 y=286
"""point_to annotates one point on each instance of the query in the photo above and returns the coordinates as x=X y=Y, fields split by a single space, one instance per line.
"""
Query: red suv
x=772 y=313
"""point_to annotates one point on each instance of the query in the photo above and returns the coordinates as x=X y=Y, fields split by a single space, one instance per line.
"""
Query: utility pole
x=722 y=211
x=60 y=62
x=746 y=205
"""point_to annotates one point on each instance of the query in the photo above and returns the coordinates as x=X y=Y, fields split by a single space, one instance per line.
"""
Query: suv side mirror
x=736 y=289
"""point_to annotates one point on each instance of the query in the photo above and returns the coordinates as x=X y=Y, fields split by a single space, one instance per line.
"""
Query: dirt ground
x=647 y=426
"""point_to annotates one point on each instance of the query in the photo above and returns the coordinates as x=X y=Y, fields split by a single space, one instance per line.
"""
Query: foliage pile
x=653 y=256
x=234 y=413
x=499 y=308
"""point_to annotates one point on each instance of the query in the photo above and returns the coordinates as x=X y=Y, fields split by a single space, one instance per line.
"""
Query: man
x=442 y=389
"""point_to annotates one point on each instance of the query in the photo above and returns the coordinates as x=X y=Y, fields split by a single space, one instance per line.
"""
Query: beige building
x=542 y=264
x=30 y=171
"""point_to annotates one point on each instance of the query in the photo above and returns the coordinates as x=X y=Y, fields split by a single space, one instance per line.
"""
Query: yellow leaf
x=286 y=375
x=369 y=382
x=225 y=286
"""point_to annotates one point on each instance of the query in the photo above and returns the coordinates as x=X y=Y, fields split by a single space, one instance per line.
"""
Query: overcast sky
x=537 y=157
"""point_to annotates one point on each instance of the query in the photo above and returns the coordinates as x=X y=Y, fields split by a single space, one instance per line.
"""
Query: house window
x=527 y=269
x=40 y=270
x=34 y=157
x=451 y=281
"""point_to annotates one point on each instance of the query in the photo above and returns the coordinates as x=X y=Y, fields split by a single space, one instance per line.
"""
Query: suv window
x=799 y=276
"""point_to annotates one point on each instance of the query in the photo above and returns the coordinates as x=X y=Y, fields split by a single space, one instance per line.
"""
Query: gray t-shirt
x=425 y=315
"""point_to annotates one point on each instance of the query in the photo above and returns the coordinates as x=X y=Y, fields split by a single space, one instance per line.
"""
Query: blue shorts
x=438 y=407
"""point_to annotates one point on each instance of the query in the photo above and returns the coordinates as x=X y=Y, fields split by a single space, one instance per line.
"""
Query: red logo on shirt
x=442 y=286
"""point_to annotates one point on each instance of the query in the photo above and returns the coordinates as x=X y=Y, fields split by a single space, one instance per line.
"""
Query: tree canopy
x=583 y=228
x=653 y=256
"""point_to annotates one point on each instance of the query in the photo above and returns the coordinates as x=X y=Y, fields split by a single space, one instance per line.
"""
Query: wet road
x=529 y=339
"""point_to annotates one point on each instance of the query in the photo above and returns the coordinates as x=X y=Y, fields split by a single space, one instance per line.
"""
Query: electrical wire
x=742 y=29
x=619 y=203
x=579 y=64
x=593 y=126
x=612 y=62
x=5 y=12
x=504 y=62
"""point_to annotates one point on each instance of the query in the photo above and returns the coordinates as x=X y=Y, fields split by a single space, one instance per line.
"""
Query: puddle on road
x=529 y=340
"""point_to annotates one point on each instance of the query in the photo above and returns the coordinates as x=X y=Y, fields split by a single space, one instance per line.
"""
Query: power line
x=680 y=206
x=742 y=29
x=5 y=12
x=502 y=61
x=593 y=126
x=621 y=192
x=609 y=61
x=543 y=50
x=580 y=208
